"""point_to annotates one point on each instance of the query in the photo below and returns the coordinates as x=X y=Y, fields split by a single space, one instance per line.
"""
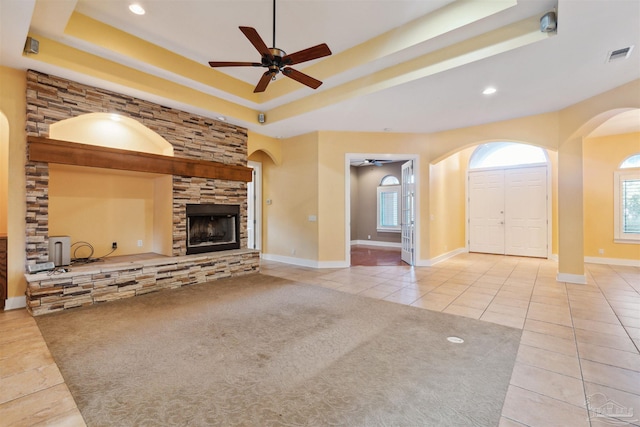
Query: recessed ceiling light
x=137 y=9
x=488 y=91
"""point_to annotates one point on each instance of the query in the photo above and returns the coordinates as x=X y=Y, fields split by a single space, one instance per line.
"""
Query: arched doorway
x=508 y=202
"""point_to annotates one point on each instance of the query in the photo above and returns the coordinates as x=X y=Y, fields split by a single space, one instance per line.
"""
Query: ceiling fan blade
x=234 y=64
x=263 y=83
x=308 y=54
x=301 y=77
x=256 y=41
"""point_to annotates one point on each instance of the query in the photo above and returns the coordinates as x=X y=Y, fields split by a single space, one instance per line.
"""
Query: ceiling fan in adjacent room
x=276 y=60
x=374 y=162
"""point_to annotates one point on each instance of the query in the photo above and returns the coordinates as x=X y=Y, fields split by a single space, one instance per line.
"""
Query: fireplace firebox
x=212 y=227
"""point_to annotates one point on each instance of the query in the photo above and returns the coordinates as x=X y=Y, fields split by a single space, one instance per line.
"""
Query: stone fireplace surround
x=51 y=99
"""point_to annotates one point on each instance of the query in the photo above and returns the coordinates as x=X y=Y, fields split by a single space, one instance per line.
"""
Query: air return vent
x=618 y=54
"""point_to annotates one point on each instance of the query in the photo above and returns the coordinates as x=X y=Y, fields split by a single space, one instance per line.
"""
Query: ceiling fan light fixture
x=137 y=9
x=489 y=91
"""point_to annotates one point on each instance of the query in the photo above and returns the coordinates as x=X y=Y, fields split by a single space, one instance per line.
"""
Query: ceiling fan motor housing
x=274 y=63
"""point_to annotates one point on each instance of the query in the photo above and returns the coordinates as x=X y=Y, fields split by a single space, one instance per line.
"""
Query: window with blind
x=627 y=201
x=389 y=205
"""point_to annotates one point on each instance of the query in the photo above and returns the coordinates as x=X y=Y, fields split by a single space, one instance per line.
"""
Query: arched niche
x=110 y=130
x=102 y=206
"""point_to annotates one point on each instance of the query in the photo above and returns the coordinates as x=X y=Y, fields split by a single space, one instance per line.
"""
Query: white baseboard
x=305 y=262
x=578 y=279
x=612 y=261
x=15 y=303
x=376 y=243
x=431 y=262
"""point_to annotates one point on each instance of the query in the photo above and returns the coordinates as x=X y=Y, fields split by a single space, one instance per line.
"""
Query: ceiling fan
x=276 y=60
x=374 y=162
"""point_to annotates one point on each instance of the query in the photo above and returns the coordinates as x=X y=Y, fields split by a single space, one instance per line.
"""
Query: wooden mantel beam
x=71 y=153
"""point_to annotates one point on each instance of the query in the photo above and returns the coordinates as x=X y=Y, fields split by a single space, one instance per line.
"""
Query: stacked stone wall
x=51 y=99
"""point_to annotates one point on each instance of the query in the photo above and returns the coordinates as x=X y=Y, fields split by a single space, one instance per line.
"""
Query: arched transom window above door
x=501 y=154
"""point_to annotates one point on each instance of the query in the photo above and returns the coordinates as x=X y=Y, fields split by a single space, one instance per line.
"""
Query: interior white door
x=486 y=212
x=526 y=211
x=508 y=211
x=407 y=214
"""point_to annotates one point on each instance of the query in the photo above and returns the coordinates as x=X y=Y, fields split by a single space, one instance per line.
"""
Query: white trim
x=627 y=241
x=431 y=262
x=347 y=196
x=15 y=303
x=612 y=261
x=376 y=243
x=578 y=279
x=304 y=262
x=619 y=177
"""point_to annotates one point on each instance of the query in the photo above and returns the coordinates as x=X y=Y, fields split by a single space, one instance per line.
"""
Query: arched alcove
x=103 y=206
x=110 y=130
x=450 y=182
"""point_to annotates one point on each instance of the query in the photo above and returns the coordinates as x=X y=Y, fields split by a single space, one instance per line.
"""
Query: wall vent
x=618 y=54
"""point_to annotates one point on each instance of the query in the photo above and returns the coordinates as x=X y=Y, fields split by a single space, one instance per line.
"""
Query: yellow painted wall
x=577 y=122
x=333 y=146
x=292 y=188
x=13 y=86
x=99 y=207
x=270 y=146
x=602 y=156
x=448 y=208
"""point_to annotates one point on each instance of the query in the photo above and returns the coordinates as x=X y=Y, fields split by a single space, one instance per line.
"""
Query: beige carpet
x=263 y=351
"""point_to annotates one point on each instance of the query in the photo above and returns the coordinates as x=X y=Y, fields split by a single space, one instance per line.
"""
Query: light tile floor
x=579 y=343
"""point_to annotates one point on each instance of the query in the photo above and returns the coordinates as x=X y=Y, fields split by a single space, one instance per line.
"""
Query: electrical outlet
x=114 y=245
x=139 y=243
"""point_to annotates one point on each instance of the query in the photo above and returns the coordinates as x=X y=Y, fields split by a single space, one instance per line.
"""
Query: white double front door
x=508 y=211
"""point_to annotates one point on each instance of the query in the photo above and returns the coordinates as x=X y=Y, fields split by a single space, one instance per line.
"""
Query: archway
x=508 y=203
x=571 y=191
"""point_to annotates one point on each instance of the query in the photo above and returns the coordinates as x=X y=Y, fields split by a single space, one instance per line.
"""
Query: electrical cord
x=88 y=259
